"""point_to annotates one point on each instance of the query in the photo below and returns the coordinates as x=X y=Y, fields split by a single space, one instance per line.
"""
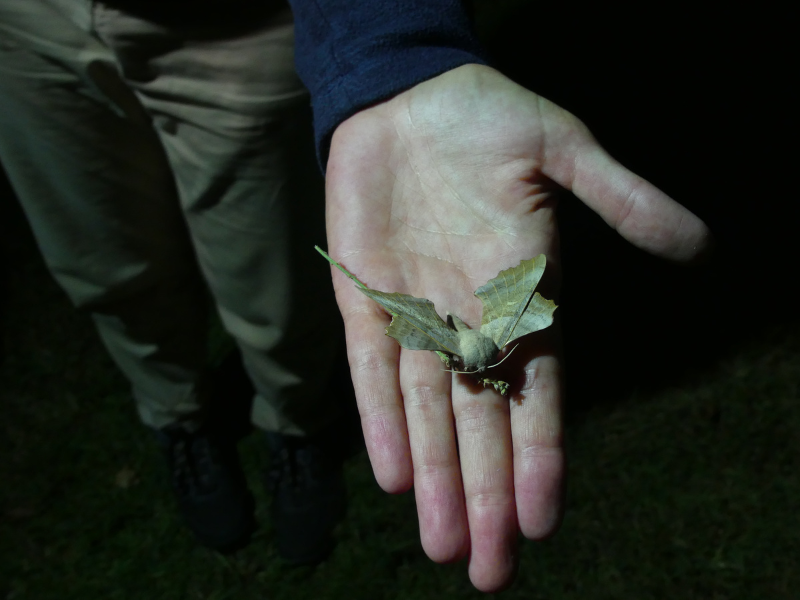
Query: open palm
x=432 y=193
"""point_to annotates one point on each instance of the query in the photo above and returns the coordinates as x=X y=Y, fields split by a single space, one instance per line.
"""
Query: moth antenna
x=352 y=277
x=505 y=357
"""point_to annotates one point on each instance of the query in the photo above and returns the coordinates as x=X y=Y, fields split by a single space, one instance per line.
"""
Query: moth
x=511 y=309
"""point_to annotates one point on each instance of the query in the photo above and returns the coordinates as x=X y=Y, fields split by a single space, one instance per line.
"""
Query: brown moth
x=511 y=309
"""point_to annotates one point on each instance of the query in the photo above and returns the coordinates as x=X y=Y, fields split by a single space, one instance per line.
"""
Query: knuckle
x=476 y=417
x=422 y=395
x=482 y=500
x=628 y=208
x=366 y=360
x=431 y=461
x=550 y=448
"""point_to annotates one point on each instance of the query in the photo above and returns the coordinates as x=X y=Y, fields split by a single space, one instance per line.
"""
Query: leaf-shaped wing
x=415 y=323
x=511 y=309
x=538 y=315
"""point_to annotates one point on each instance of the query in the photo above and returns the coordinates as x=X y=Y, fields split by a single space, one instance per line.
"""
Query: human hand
x=432 y=193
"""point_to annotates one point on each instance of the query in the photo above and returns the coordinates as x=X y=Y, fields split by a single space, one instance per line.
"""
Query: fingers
x=536 y=430
x=484 y=438
x=374 y=359
x=512 y=459
x=437 y=473
x=640 y=212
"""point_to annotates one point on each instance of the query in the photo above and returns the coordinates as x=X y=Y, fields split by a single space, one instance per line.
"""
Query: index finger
x=374 y=363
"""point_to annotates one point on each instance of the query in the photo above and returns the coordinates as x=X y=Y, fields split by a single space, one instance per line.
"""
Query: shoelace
x=193 y=464
x=292 y=468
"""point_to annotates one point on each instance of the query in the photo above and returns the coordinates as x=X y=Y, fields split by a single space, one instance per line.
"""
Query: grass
x=682 y=417
x=687 y=490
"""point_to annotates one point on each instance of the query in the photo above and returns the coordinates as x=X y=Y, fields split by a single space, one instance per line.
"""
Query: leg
x=97 y=188
x=230 y=113
x=100 y=195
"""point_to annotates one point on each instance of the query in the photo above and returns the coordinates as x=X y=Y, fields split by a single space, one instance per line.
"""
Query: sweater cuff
x=352 y=54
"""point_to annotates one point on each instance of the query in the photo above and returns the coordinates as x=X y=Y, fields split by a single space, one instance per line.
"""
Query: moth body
x=477 y=350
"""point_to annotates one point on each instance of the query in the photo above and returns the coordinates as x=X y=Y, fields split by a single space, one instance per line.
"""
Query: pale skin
x=432 y=193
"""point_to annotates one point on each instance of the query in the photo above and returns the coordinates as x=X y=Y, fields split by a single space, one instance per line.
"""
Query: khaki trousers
x=154 y=161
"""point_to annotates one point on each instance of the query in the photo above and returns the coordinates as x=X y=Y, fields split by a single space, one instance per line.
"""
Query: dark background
x=697 y=101
x=682 y=382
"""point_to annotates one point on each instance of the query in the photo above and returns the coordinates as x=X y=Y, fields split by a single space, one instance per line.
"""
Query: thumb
x=639 y=211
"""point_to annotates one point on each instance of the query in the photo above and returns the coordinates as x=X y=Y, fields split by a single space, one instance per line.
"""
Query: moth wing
x=511 y=307
x=415 y=323
x=538 y=315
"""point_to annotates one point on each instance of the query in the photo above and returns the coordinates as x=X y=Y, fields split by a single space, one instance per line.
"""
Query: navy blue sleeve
x=353 y=53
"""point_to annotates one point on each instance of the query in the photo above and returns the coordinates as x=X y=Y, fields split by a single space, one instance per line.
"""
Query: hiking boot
x=210 y=487
x=306 y=481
